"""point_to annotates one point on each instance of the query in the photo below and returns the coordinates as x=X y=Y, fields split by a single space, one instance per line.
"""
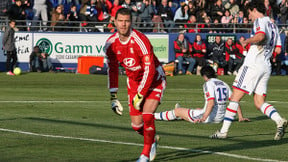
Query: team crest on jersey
x=132 y=42
x=147 y=60
x=129 y=62
x=258 y=28
x=131 y=50
x=118 y=53
x=207 y=94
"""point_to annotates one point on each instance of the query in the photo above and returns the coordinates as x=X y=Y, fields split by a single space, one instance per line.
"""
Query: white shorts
x=252 y=80
x=194 y=114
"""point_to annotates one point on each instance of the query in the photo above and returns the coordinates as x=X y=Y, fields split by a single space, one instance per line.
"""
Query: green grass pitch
x=67 y=117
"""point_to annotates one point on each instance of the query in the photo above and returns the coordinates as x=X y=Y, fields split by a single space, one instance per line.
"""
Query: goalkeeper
x=145 y=78
x=216 y=93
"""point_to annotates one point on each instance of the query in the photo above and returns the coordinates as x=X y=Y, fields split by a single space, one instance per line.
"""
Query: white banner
x=23 y=42
x=67 y=47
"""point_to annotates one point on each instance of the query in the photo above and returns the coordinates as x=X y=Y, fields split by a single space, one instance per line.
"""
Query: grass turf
x=78 y=106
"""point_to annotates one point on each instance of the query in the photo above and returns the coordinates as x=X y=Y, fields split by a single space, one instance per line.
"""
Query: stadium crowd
x=171 y=14
x=225 y=56
x=190 y=16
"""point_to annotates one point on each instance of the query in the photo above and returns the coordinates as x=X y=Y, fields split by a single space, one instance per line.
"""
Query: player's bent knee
x=138 y=128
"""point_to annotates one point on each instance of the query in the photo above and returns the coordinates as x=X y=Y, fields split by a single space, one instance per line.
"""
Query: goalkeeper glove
x=116 y=105
x=138 y=98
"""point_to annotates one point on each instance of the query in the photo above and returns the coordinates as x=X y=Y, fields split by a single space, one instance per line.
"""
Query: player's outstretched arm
x=208 y=110
x=115 y=104
x=240 y=116
x=255 y=39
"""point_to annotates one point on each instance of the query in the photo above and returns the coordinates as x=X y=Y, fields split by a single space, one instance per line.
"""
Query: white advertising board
x=67 y=47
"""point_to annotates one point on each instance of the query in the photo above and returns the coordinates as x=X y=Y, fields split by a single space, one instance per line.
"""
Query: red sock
x=138 y=128
x=149 y=133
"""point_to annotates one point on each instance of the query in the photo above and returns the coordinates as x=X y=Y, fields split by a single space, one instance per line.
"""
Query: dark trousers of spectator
x=11 y=55
x=234 y=65
x=239 y=63
x=276 y=66
x=188 y=59
x=200 y=61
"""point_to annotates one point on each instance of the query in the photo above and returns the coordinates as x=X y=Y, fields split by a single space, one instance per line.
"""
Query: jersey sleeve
x=112 y=67
x=147 y=61
x=208 y=90
x=278 y=40
x=259 y=26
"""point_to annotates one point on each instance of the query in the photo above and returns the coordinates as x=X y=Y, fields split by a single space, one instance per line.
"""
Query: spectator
x=17 y=12
x=216 y=26
x=34 y=60
x=240 y=52
x=166 y=15
x=73 y=16
x=230 y=56
x=226 y=20
x=40 y=61
x=276 y=60
x=181 y=15
x=283 y=11
x=233 y=8
x=103 y=8
x=191 y=25
x=201 y=4
x=134 y=9
x=40 y=8
x=146 y=16
x=245 y=26
x=88 y=11
x=156 y=19
x=173 y=7
x=191 y=9
x=217 y=54
x=201 y=15
x=4 y=6
x=181 y=48
x=269 y=9
x=207 y=26
x=57 y=19
x=239 y=17
x=116 y=6
x=217 y=10
x=199 y=53
x=8 y=44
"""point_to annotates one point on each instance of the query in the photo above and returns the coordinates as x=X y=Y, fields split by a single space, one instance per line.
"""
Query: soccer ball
x=17 y=71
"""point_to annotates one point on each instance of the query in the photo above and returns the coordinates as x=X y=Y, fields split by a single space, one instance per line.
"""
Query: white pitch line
x=75 y=101
x=137 y=144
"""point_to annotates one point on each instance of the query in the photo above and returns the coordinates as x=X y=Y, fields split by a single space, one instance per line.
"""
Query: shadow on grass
x=190 y=152
x=217 y=150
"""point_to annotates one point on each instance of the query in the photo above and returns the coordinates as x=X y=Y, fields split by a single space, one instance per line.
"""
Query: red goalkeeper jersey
x=137 y=57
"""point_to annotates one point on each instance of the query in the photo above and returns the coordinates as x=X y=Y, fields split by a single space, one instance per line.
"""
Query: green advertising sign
x=160 y=47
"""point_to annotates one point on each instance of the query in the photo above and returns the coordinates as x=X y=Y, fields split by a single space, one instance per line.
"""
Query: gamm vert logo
x=45 y=45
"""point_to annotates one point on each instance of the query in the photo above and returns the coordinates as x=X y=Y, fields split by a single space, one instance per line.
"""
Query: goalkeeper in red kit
x=145 y=79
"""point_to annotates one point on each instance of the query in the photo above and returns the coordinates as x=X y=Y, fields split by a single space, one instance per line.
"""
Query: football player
x=253 y=76
x=145 y=78
x=216 y=94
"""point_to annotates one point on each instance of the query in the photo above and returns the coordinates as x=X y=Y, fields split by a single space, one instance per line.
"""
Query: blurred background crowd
x=148 y=15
